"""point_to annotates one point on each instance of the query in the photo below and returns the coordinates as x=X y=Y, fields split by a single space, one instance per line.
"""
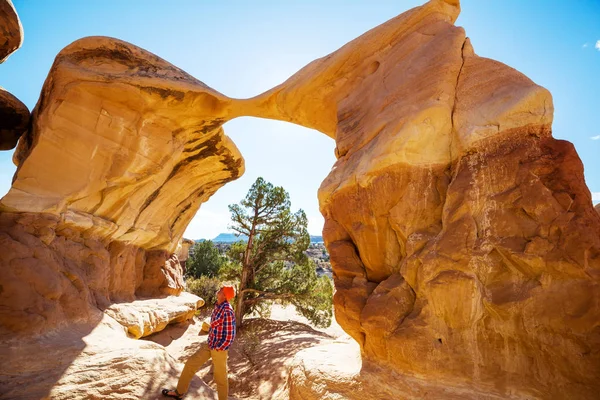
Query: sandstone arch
x=463 y=239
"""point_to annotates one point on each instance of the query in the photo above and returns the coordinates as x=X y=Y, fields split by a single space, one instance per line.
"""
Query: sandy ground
x=260 y=356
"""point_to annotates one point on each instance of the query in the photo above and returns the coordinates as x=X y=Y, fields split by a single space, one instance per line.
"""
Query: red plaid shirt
x=222 y=327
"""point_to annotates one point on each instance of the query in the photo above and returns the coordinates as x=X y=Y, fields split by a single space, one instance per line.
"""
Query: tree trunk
x=247 y=272
x=240 y=309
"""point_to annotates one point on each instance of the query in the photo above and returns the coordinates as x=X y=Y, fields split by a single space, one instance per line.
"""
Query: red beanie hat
x=229 y=292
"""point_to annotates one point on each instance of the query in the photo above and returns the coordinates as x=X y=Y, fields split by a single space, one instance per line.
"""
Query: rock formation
x=463 y=240
x=140 y=148
x=145 y=317
x=141 y=140
x=183 y=251
x=14 y=120
x=11 y=31
x=14 y=115
x=123 y=148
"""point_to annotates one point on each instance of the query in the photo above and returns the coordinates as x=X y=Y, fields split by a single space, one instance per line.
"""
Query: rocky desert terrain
x=463 y=242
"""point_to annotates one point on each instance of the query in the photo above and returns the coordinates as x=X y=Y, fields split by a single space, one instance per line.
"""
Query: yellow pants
x=219 y=359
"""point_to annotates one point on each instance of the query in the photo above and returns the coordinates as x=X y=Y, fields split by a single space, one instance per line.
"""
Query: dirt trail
x=260 y=356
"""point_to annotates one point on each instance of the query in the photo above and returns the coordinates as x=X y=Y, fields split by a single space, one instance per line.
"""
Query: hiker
x=220 y=337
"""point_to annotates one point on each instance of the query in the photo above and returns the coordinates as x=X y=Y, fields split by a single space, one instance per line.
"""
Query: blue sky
x=243 y=48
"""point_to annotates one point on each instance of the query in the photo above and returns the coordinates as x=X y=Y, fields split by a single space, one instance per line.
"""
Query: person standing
x=220 y=337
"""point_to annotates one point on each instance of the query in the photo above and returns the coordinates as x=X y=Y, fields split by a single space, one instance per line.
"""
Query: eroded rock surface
x=123 y=149
x=90 y=361
x=463 y=240
x=464 y=244
x=140 y=143
x=14 y=115
x=14 y=120
x=335 y=371
x=11 y=31
x=145 y=317
x=54 y=275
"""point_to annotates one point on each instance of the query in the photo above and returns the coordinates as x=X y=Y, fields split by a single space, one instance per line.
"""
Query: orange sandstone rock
x=11 y=31
x=14 y=120
x=145 y=317
x=123 y=149
x=14 y=115
x=140 y=143
x=463 y=242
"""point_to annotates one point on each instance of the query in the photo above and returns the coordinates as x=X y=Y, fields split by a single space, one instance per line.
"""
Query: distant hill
x=316 y=239
x=231 y=237
x=228 y=238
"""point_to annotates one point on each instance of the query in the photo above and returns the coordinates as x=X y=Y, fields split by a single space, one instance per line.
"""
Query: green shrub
x=205 y=287
x=205 y=260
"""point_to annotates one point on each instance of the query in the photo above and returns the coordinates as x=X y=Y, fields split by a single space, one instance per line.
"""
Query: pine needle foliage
x=272 y=264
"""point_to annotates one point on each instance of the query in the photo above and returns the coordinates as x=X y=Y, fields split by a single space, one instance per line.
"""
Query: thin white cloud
x=595 y=196
x=597 y=46
x=584 y=45
x=597 y=137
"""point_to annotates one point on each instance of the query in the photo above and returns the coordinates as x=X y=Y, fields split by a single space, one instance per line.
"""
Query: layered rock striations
x=11 y=30
x=463 y=240
x=123 y=148
x=141 y=144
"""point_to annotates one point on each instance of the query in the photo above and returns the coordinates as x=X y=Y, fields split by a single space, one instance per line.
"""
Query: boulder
x=145 y=317
x=11 y=31
x=328 y=372
x=14 y=120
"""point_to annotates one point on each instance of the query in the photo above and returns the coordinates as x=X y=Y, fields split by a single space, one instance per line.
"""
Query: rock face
x=183 y=251
x=464 y=244
x=140 y=148
x=141 y=143
x=14 y=120
x=463 y=240
x=14 y=115
x=54 y=276
x=11 y=31
x=90 y=362
x=145 y=317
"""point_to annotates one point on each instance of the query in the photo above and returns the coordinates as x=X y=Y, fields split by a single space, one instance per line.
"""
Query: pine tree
x=272 y=264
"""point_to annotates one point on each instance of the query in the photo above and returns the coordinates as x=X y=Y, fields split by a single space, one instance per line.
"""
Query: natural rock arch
x=463 y=240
